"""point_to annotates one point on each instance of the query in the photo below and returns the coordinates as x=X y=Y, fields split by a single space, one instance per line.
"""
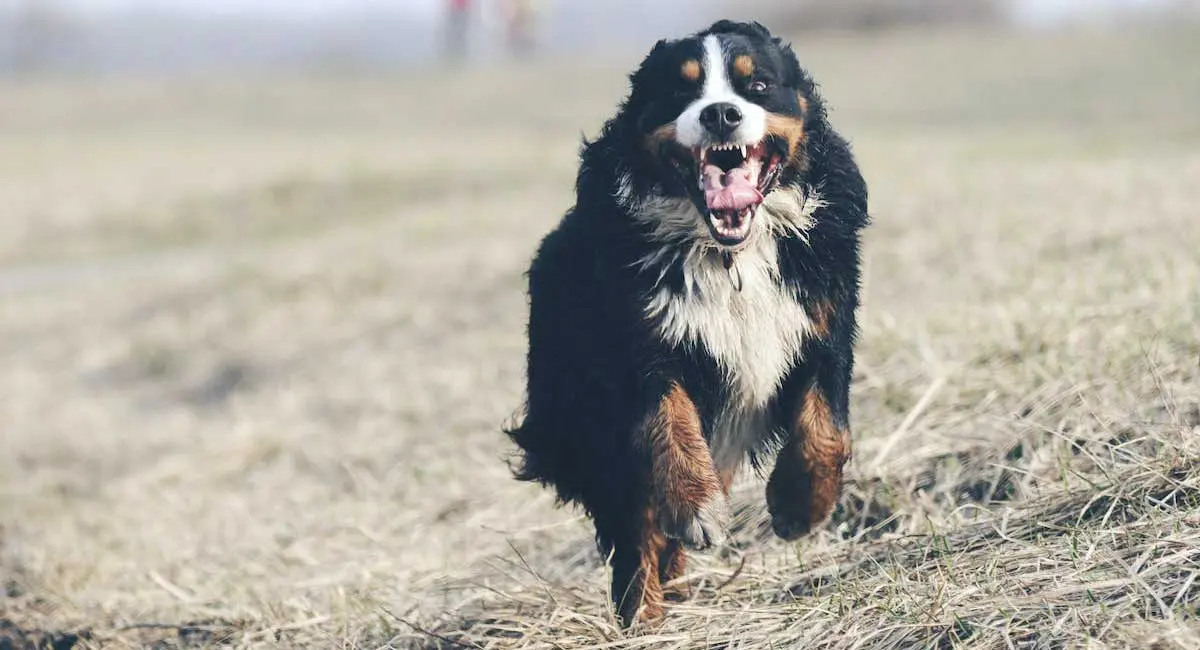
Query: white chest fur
x=755 y=334
x=754 y=329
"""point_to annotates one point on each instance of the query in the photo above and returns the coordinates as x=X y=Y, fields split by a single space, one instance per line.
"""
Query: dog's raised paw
x=791 y=528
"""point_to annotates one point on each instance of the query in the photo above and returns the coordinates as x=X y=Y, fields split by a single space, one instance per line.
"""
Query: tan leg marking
x=807 y=479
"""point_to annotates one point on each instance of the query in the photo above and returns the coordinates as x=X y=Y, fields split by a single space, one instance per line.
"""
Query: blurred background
x=261 y=284
x=178 y=35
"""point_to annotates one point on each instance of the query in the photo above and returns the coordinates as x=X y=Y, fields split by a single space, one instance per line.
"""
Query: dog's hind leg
x=672 y=563
x=687 y=493
x=636 y=579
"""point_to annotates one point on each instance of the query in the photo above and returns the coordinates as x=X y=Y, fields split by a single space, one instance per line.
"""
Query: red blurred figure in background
x=519 y=19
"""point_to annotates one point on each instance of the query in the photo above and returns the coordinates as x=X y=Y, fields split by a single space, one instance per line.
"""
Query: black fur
x=596 y=366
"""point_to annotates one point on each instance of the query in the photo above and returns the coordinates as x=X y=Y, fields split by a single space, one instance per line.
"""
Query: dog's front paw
x=791 y=526
x=794 y=511
x=702 y=529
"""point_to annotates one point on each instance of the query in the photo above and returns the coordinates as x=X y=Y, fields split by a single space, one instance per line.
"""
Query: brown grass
x=257 y=345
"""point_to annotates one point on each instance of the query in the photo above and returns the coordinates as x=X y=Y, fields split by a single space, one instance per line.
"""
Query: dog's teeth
x=743 y=151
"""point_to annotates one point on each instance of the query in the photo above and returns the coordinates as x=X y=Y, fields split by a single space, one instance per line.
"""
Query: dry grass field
x=258 y=338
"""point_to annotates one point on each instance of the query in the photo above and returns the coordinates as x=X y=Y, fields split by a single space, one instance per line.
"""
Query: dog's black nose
x=721 y=119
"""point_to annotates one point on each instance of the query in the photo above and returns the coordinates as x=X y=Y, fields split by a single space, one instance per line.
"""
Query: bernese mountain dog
x=696 y=308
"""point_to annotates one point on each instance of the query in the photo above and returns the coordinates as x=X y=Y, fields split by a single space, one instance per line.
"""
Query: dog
x=695 y=308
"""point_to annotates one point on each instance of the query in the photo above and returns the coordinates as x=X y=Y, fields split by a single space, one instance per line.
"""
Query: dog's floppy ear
x=642 y=68
x=630 y=116
x=658 y=47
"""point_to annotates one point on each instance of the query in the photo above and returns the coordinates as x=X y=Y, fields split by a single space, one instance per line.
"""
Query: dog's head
x=720 y=118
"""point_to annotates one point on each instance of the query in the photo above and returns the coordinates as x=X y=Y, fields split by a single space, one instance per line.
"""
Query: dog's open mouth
x=731 y=183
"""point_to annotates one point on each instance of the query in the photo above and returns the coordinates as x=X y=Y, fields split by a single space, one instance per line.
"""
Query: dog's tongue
x=732 y=190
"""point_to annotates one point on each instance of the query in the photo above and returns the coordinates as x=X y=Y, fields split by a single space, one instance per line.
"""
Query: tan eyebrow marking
x=690 y=70
x=744 y=65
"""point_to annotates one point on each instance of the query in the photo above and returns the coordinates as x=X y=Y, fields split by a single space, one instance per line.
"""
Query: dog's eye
x=757 y=87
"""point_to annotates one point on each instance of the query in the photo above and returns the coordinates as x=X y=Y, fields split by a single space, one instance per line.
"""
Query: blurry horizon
x=120 y=36
x=142 y=36
x=1032 y=10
